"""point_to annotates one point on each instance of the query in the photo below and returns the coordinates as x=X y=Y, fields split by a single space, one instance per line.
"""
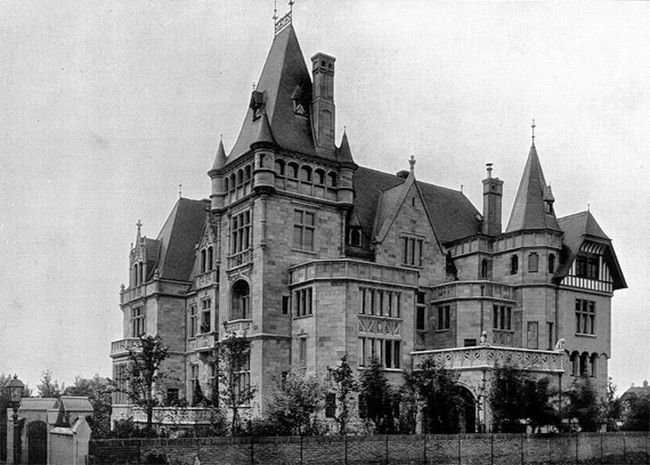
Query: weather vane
x=533 y=127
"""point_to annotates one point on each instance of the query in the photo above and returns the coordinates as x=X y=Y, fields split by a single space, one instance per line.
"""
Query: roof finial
x=180 y=189
x=275 y=11
x=488 y=166
x=412 y=163
x=533 y=128
x=253 y=86
x=589 y=207
x=139 y=225
x=291 y=2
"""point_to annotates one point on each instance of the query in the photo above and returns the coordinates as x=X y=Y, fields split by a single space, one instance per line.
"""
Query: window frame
x=304 y=233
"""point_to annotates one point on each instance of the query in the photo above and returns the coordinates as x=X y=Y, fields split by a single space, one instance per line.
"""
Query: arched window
x=240 y=177
x=247 y=173
x=225 y=184
x=514 y=264
x=551 y=263
x=319 y=177
x=593 y=362
x=575 y=363
x=141 y=273
x=584 y=364
x=355 y=237
x=135 y=274
x=331 y=179
x=292 y=170
x=240 y=306
x=210 y=258
x=233 y=182
x=305 y=174
x=279 y=167
x=486 y=268
x=203 y=261
x=533 y=262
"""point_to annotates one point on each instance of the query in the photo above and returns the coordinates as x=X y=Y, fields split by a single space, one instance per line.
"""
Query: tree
x=98 y=390
x=346 y=386
x=583 y=405
x=49 y=387
x=294 y=402
x=144 y=372
x=611 y=407
x=436 y=396
x=233 y=357
x=637 y=412
x=376 y=399
x=517 y=400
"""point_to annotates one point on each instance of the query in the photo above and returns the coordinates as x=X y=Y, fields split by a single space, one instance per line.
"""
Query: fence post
x=301 y=446
x=601 y=447
x=139 y=451
x=577 y=445
x=424 y=447
x=460 y=451
x=252 y=452
x=521 y=448
x=386 y=449
x=492 y=449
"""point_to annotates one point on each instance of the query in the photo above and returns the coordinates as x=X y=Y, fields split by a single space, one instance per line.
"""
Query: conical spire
x=284 y=78
x=345 y=154
x=531 y=209
x=220 y=158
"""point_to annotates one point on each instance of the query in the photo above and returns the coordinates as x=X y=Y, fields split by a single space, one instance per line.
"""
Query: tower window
x=206 y=313
x=502 y=317
x=303 y=302
x=331 y=179
x=240 y=232
x=304 y=226
x=514 y=264
x=551 y=263
x=240 y=304
x=533 y=262
x=585 y=316
x=444 y=320
x=137 y=321
x=354 y=238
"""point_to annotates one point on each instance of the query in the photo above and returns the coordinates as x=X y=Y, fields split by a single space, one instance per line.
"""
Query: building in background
x=314 y=257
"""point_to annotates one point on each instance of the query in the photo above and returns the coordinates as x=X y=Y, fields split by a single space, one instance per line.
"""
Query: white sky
x=106 y=106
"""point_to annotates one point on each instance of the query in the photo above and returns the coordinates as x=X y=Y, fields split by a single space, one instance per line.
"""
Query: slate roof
x=453 y=215
x=283 y=74
x=529 y=210
x=179 y=236
x=37 y=403
x=75 y=404
x=219 y=158
x=580 y=227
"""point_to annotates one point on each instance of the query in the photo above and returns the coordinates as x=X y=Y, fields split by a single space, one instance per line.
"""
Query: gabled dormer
x=588 y=259
x=143 y=259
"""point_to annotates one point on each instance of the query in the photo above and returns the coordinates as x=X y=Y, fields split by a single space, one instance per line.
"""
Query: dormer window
x=355 y=237
x=257 y=103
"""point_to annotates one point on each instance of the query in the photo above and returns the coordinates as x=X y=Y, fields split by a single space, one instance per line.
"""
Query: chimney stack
x=492 y=198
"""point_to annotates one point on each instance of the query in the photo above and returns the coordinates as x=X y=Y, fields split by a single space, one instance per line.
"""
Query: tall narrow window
x=443 y=317
x=549 y=335
x=240 y=232
x=302 y=351
x=532 y=335
x=303 y=302
x=412 y=251
x=210 y=259
x=304 y=226
x=486 y=268
x=533 y=262
x=206 y=314
x=551 y=263
x=193 y=320
x=514 y=264
x=137 y=321
x=203 y=260
x=194 y=383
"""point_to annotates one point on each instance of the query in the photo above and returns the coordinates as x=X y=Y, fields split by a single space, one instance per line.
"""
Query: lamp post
x=15 y=388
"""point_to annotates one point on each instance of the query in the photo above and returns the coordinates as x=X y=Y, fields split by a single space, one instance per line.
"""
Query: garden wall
x=479 y=449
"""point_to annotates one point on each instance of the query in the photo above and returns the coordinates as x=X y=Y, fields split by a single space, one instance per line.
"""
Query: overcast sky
x=106 y=106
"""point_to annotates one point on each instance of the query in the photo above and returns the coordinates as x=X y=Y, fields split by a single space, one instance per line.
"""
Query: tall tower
x=323 y=111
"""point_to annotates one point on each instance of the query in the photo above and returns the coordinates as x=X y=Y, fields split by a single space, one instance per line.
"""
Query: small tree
x=611 y=407
x=144 y=373
x=375 y=399
x=583 y=405
x=233 y=357
x=294 y=402
x=436 y=396
x=48 y=386
x=346 y=386
x=637 y=412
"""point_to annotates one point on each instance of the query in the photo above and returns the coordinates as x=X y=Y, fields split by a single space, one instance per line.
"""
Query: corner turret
x=345 y=192
x=323 y=110
x=218 y=189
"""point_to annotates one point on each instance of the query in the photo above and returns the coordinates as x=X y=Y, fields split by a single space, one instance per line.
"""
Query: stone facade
x=314 y=257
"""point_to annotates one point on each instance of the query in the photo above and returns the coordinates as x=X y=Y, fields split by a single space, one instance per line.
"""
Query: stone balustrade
x=239 y=327
x=472 y=290
x=168 y=415
x=206 y=279
x=121 y=347
x=352 y=269
x=240 y=259
x=488 y=357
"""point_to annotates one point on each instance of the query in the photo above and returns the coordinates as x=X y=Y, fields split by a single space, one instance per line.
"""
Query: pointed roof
x=179 y=236
x=581 y=227
x=284 y=73
x=529 y=210
x=344 y=152
x=220 y=157
x=264 y=135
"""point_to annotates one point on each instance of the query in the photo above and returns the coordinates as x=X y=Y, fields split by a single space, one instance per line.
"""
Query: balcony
x=472 y=290
x=206 y=279
x=204 y=342
x=240 y=259
x=488 y=357
x=239 y=327
x=353 y=270
x=121 y=347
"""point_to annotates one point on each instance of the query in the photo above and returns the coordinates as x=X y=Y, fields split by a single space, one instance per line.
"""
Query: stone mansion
x=314 y=257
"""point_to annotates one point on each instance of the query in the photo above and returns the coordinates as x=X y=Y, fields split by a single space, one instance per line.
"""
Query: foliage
x=144 y=372
x=346 y=386
x=294 y=403
x=517 y=400
x=232 y=354
x=637 y=412
x=376 y=399
x=98 y=390
x=49 y=387
x=583 y=405
x=434 y=393
x=611 y=407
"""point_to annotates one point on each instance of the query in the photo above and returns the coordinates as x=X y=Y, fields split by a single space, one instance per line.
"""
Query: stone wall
x=605 y=448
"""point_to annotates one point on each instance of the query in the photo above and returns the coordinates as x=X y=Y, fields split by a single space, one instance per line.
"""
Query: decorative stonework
x=383 y=326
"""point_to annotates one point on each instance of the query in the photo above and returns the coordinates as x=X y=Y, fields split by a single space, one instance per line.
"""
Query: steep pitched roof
x=452 y=214
x=284 y=73
x=220 y=157
x=529 y=210
x=344 y=152
x=178 y=238
x=75 y=404
x=578 y=228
